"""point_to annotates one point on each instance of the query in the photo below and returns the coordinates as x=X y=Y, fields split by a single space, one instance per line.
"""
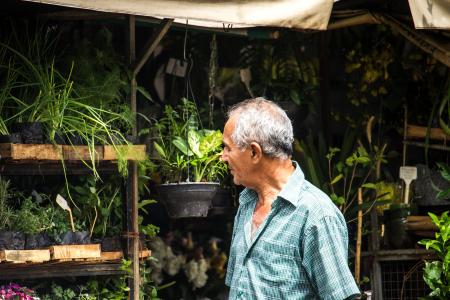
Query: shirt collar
x=289 y=192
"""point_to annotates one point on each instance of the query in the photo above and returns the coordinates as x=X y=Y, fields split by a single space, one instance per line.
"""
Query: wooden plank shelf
x=48 y=168
x=107 y=264
x=400 y=254
x=48 y=152
x=59 y=269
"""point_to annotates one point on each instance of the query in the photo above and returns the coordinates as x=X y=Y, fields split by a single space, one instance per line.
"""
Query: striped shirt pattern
x=298 y=252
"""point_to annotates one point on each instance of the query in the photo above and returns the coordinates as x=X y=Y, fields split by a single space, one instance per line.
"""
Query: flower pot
x=30 y=132
x=37 y=241
x=184 y=200
x=14 y=138
x=426 y=187
x=75 y=238
x=111 y=243
x=12 y=240
x=395 y=227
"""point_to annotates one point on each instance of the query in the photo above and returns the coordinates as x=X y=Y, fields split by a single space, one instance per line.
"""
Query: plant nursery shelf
x=44 y=168
x=107 y=264
x=59 y=269
x=401 y=254
x=48 y=152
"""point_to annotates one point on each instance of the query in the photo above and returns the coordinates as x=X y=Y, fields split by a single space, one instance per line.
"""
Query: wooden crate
x=116 y=255
x=131 y=152
x=31 y=151
x=69 y=252
x=81 y=152
x=21 y=256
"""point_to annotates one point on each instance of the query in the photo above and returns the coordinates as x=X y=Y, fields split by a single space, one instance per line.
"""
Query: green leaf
x=211 y=142
x=182 y=145
x=337 y=179
x=363 y=160
x=369 y=185
x=445 y=194
x=338 y=200
x=160 y=150
x=194 y=142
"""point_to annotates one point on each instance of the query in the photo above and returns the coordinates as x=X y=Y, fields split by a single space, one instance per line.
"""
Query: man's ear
x=256 y=151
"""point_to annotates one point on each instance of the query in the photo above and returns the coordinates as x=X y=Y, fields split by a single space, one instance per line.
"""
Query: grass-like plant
x=6 y=211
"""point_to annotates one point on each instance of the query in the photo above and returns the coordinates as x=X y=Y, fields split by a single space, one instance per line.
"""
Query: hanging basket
x=191 y=200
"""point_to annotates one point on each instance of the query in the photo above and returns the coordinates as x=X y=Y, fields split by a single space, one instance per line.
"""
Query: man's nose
x=223 y=156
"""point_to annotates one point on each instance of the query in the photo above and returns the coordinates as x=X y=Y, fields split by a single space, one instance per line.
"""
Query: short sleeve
x=325 y=259
x=232 y=256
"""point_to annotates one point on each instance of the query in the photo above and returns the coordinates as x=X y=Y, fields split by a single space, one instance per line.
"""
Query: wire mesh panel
x=403 y=280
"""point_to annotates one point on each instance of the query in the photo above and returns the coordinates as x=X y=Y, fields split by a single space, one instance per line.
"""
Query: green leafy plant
x=444 y=170
x=187 y=152
x=280 y=70
x=6 y=211
x=99 y=206
x=31 y=218
x=437 y=273
x=344 y=170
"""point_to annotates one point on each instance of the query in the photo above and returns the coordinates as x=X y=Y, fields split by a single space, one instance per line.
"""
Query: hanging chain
x=213 y=62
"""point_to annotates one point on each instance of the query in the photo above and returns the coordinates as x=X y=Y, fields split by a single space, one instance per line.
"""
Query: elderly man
x=289 y=240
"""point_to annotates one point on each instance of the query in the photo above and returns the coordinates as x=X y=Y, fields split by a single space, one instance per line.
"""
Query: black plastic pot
x=12 y=240
x=395 y=227
x=14 y=138
x=37 y=241
x=111 y=243
x=427 y=186
x=30 y=132
x=75 y=238
x=187 y=200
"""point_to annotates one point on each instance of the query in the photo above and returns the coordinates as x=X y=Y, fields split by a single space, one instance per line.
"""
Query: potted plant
x=9 y=239
x=189 y=162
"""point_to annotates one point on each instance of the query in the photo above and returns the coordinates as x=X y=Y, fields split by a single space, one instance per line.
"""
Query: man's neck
x=273 y=176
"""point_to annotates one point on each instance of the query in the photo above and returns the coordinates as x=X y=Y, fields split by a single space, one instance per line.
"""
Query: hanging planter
x=189 y=161
x=187 y=200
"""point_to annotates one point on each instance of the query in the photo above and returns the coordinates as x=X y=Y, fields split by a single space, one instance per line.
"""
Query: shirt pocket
x=277 y=261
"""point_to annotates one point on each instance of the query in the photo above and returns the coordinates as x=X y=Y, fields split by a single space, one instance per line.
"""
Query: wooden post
x=132 y=182
x=358 y=238
x=132 y=192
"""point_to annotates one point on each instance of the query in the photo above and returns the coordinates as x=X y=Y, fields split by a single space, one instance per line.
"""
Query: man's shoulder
x=316 y=203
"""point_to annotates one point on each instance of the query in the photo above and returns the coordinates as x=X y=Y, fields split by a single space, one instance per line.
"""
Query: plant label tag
x=62 y=202
x=176 y=67
x=408 y=174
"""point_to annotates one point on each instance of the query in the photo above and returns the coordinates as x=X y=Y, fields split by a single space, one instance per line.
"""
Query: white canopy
x=298 y=14
x=430 y=14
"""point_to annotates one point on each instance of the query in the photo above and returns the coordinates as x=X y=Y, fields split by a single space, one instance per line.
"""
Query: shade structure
x=430 y=14
x=297 y=14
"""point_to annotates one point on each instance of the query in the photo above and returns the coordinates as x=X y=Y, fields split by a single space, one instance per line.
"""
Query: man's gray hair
x=264 y=122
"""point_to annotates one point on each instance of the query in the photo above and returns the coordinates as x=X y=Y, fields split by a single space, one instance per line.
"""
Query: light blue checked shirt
x=298 y=252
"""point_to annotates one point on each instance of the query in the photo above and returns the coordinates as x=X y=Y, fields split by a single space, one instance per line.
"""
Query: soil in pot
x=30 y=132
x=12 y=240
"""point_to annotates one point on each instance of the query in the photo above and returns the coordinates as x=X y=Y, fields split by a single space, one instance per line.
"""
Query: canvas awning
x=430 y=14
x=296 y=14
